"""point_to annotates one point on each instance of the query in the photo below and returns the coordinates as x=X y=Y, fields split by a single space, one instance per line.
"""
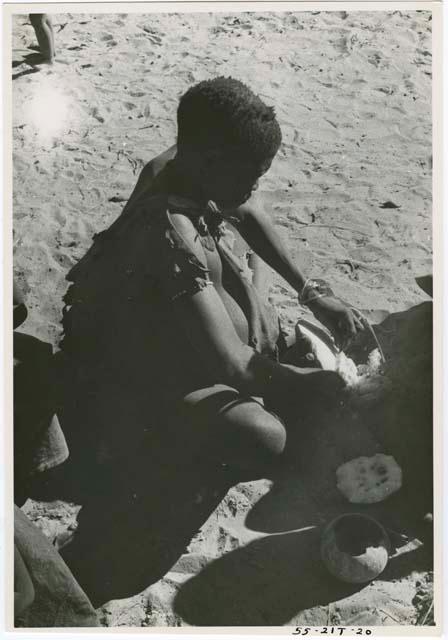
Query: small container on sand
x=355 y=548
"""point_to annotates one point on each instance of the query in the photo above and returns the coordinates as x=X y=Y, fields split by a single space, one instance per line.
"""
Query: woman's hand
x=341 y=320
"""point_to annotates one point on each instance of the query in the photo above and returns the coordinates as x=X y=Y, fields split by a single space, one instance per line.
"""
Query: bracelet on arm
x=313 y=289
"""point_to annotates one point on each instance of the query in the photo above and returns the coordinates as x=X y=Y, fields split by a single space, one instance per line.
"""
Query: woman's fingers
x=343 y=321
x=360 y=320
x=346 y=329
x=354 y=322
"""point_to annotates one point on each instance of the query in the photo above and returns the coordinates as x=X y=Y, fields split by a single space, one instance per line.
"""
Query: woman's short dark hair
x=225 y=112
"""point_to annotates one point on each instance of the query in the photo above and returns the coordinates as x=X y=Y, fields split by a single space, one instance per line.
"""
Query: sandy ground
x=350 y=191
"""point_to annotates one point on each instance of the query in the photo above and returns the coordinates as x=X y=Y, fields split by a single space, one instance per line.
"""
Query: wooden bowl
x=355 y=548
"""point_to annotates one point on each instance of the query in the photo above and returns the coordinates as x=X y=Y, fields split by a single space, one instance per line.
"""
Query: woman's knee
x=255 y=433
x=271 y=434
x=238 y=430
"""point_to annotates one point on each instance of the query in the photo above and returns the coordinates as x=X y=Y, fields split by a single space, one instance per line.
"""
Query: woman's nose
x=256 y=185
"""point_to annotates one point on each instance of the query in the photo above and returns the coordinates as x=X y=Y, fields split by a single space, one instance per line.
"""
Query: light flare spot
x=48 y=110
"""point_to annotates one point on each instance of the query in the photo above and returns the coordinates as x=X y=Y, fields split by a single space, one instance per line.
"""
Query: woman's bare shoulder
x=158 y=163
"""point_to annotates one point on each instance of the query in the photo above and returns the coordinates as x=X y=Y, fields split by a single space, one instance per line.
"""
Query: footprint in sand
x=95 y=114
x=77 y=47
x=152 y=36
x=342 y=45
x=59 y=216
x=374 y=59
x=64 y=260
x=369 y=253
x=95 y=194
x=39 y=168
x=389 y=91
x=379 y=280
x=84 y=230
x=106 y=65
x=410 y=86
x=155 y=40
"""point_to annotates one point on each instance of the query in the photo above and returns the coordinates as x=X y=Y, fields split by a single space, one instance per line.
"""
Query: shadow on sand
x=32 y=60
x=264 y=583
x=397 y=420
x=134 y=523
x=271 y=580
x=137 y=520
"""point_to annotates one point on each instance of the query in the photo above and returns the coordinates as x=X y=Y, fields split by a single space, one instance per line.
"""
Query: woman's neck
x=181 y=183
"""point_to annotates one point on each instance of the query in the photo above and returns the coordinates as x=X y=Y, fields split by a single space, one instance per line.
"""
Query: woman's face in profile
x=233 y=178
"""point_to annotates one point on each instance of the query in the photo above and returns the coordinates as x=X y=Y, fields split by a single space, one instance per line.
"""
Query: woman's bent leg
x=232 y=429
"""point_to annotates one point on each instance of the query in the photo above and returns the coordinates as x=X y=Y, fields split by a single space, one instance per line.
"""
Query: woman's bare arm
x=257 y=229
x=209 y=329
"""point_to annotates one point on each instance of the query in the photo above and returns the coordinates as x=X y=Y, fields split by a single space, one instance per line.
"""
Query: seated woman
x=169 y=347
x=161 y=306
